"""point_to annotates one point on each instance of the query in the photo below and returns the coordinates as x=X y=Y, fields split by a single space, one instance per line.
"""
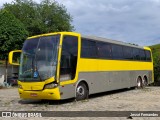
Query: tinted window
x=88 y=49
x=30 y=45
x=117 y=52
x=104 y=50
x=148 y=55
x=70 y=45
x=142 y=55
x=127 y=53
x=136 y=54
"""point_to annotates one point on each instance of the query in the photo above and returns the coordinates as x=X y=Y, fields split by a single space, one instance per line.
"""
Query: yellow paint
x=50 y=94
x=54 y=33
x=29 y=88
x=112 y=65
x=35 y=85
x=10 y=57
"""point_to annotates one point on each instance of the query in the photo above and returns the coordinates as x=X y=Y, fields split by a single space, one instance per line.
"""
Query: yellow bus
x=66 y=65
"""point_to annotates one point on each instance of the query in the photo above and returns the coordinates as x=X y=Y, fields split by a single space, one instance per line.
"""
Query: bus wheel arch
x=139 y=82
x=82 y=90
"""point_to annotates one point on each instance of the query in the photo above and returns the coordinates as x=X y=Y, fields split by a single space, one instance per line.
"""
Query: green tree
x=157 y=67
x=44 y=17
x=12 y=33
x=156 y=62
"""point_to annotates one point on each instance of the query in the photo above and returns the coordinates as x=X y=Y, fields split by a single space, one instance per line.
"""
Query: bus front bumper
x=48 y=94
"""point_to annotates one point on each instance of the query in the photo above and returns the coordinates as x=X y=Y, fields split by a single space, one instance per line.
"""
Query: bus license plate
x=33 y=94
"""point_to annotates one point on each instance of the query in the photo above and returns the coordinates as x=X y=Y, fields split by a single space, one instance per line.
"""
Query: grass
x=155 y=49
x=157 y=46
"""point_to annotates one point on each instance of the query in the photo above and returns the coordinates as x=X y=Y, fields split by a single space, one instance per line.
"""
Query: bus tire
x=139 y=83
x=81 y=91
x=144 y=82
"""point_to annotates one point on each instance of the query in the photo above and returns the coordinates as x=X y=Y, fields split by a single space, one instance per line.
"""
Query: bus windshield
x=39 y=58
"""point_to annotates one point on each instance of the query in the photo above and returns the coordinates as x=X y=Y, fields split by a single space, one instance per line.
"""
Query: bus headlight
x=50 y=86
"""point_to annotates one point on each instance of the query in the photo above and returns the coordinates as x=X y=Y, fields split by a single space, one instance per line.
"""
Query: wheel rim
x=80 y=91
x=139 y=83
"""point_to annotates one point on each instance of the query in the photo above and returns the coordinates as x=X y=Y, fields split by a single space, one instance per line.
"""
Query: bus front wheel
x=81 y=91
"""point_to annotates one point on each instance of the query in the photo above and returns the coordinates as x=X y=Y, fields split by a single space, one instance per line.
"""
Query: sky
x=131 y=21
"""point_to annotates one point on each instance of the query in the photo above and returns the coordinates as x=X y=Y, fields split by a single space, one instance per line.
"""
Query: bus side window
x=136 y=54
x=148 y=55
x=69 y=58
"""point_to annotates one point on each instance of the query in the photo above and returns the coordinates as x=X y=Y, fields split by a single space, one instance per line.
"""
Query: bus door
x=68 y=62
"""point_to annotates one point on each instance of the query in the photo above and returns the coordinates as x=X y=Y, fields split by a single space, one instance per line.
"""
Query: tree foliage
x=157 y=67
x=12 y=33
x=156 y=61
x=44 y=17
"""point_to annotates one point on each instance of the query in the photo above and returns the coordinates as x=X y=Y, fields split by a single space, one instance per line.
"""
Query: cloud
x=4 y=1
x=133 y=21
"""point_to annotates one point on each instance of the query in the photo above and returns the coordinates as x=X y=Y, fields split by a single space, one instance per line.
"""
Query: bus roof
x=94 y=38
x=112 y=41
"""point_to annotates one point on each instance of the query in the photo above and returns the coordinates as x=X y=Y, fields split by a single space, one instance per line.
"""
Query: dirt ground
x=147 y=99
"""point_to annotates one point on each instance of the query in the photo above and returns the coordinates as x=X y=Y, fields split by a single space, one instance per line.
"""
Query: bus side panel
x=119 y=79
x=112 y=80
x=67 y=91
x=97 y=81
x=150 y=77
x=105 y=81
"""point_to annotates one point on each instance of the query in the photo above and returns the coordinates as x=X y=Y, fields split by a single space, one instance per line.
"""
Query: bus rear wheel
x=81 y=91
x=145 y=83
x=139 y=83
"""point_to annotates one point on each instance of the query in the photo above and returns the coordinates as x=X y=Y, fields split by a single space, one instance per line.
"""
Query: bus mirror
x=14 y=57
